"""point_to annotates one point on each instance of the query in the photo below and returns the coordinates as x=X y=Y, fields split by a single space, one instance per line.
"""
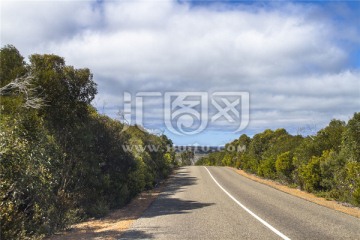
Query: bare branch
x=22 y=85
x=122 y=118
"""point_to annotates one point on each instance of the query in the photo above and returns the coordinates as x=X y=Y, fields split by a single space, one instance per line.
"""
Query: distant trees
x=327 y=164
x=187 y=157
x=61 y=161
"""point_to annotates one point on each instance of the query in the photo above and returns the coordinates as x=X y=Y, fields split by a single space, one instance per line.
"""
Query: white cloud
x=290 y=58
x=35 y=24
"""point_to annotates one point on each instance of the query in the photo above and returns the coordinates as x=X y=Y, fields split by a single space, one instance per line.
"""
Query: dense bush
x=63 y=161
x=327 y=164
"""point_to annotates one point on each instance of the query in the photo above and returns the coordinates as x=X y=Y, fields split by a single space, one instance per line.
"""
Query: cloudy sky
x=298 y=60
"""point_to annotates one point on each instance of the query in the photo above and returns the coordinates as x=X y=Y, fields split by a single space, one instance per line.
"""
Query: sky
x=281 y=64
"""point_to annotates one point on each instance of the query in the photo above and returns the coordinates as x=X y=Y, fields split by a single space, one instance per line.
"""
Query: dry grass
x=354 y=211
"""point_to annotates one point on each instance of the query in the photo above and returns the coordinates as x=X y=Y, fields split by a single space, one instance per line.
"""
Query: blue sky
x=299 y=60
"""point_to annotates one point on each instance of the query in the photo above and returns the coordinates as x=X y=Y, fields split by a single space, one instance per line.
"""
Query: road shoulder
x=116 y=223
x=353 y=211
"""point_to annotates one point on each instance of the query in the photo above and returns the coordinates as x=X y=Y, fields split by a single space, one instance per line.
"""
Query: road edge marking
x=266 y=224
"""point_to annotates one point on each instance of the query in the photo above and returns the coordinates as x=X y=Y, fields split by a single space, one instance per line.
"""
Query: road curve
x=217 y=203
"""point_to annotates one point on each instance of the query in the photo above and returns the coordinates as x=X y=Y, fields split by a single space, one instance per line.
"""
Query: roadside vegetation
x=186 y=158
x=60 y=160
x=327 y=164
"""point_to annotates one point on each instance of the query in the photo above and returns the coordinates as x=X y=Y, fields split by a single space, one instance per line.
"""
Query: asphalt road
x=218 y=203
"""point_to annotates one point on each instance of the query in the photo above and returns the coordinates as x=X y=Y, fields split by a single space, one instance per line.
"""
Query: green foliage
x=352 y=182
x=328 y=138
x=12 y=64
x=64 y=161
x=284 y=165
x=310 y=175
x=29 y=159
x=186 y=157
x=227 y=159
x=351 y=139
x=213 y=159
x=65 y=89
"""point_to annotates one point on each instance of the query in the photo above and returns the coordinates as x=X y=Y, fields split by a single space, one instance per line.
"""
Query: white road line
x=249 y=211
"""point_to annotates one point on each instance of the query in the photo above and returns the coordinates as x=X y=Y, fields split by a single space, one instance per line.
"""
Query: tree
x=352 y=181
x=266 y=167
x=313 y=174
x=66 y=90
x=186 y=157
x=284 y=165
x=351 y=139
x=12 y=65
x=310 y=175
x=329 y=137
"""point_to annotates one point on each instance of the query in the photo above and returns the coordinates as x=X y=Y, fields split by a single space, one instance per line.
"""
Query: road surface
x=217 y=203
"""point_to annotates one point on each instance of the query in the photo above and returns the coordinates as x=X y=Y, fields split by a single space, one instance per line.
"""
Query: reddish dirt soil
x=113 y=225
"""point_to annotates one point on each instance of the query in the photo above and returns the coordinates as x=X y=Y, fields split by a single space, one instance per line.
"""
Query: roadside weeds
x=353 y=211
